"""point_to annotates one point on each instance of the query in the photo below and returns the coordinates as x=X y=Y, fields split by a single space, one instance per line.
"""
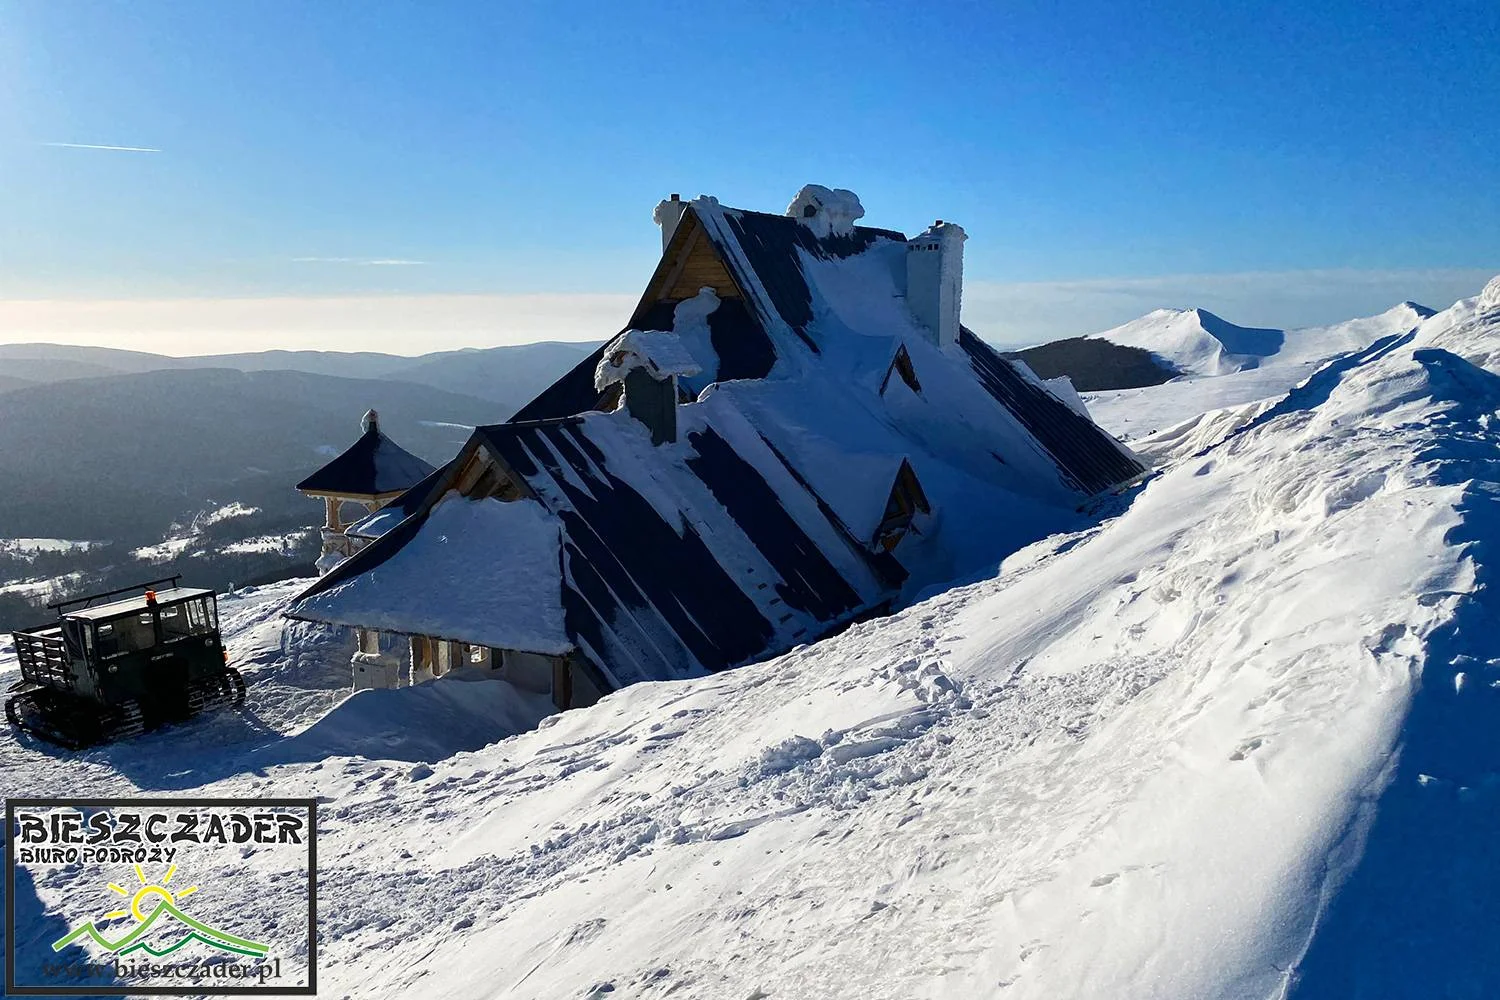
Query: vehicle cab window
x=188 y=618
x=127 y=634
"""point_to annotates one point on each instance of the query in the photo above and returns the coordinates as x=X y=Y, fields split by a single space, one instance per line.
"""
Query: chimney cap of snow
x=826 y=211
x=370 y=421
x=938 y=233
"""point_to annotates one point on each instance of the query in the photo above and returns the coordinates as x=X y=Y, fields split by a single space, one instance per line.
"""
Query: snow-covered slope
x=1237 y=741
x=1216 y=377
x=1196 y=342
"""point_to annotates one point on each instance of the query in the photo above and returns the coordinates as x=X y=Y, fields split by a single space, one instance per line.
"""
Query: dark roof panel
x=641 y=588
x=810 y=582
x=572 y=394
x=369 y=467
x=770 y=244
x=1086 y=456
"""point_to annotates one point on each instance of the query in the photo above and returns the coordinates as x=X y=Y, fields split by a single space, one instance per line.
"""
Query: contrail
x=89 y=145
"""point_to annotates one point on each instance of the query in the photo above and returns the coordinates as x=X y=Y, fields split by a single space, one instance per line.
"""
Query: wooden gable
x=482 y=475
x=690 y=263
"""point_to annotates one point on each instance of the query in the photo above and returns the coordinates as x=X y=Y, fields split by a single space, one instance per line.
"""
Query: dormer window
x=901 y=367
x=905 y=502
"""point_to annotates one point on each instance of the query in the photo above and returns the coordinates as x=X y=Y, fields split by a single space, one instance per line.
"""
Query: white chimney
x=668 y=213
x=935 y=280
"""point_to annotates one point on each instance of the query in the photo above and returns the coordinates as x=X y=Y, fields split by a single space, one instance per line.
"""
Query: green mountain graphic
x=132 y=941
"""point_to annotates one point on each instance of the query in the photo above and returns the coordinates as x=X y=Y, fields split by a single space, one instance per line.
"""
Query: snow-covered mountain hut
x=793 y=432
x=371 y=472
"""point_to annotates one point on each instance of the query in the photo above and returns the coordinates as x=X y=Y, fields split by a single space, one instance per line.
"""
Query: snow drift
x=1236 y=741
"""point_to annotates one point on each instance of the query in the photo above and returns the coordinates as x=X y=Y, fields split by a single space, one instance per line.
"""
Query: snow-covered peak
x=826 y=211
x=1490 y=297
x=1198 y=342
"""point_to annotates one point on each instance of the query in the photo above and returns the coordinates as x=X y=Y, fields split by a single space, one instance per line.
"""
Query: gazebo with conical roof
x=372 y=472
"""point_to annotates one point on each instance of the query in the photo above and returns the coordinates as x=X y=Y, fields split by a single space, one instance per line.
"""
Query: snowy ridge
x=1235 y=742
x=1196 y=342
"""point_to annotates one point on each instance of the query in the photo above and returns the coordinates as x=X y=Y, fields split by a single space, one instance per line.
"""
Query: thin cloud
x=402 y=324
x=361 y=261
x=90 y=145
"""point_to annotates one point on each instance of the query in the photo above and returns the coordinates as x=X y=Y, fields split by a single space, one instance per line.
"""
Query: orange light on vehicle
x=150 y=597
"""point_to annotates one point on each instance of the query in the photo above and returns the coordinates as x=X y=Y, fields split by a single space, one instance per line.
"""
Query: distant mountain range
x=509 y=376
x=1168 y=343
x=143 y=452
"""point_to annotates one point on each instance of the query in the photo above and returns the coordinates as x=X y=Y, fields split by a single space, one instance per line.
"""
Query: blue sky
x=448 y=149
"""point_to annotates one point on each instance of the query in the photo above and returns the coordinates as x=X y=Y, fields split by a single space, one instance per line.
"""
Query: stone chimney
x=667 y=215
x=935 y=280
x=646 y=364
x=653 y=401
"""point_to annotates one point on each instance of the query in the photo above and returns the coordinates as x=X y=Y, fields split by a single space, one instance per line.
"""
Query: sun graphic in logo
x=145 y=892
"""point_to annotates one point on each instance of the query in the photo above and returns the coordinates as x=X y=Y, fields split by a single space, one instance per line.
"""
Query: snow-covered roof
x=755 y=529
x=816 y=312
x=376 y=524
x=676 y=559
x=374 y=465
x=478 y=571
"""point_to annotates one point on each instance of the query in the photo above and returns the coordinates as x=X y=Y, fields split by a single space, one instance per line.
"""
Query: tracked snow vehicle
x=110 y=671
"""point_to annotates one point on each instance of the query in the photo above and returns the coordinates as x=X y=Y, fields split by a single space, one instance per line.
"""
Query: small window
x=127 y=635
x=187 y=618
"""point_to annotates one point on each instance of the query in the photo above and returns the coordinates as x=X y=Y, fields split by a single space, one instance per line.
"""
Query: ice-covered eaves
x=378 y=523
x=1062 y=388
x=478 y=571
x=660 y=354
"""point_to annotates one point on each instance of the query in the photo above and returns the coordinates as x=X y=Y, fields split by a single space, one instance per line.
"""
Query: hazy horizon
x=1015 y=314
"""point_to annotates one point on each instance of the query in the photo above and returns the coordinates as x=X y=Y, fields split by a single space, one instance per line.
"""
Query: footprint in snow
x=1246 y=748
